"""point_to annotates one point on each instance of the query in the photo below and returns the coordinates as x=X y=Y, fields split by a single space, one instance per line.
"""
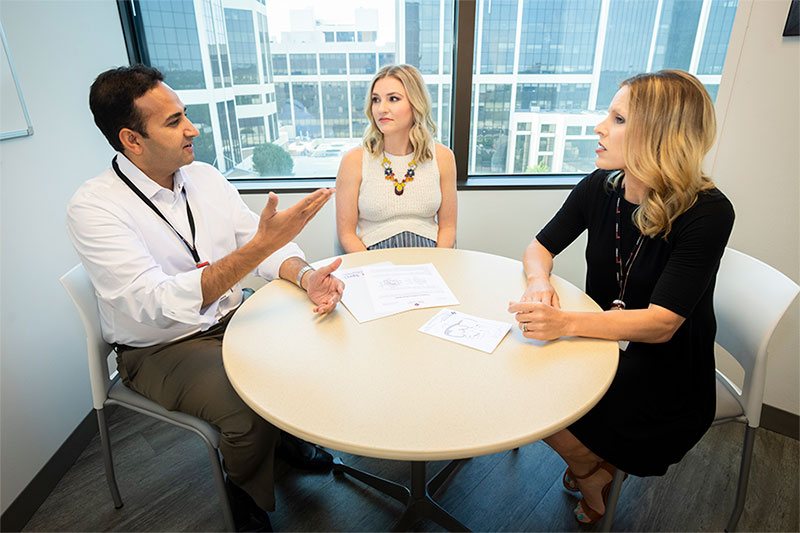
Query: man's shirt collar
x=149 y=187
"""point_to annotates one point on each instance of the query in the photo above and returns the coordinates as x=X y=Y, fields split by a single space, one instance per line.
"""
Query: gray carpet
x=166 y=485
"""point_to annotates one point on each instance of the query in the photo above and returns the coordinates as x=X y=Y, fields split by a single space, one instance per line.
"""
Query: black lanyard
x=191 y=247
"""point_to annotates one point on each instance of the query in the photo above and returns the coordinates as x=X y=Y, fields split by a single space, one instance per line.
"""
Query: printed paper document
x=383 y=289
x=479 y=333
x=356 y=294
x=397 y=288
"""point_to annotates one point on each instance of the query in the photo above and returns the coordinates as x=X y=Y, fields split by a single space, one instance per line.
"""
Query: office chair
x=749 y=300
x=109 y=390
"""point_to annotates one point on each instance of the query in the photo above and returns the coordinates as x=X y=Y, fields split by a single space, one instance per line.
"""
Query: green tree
x=272 y=160
x=540 y=168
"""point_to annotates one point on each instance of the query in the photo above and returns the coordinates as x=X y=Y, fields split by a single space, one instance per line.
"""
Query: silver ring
x=524 y=327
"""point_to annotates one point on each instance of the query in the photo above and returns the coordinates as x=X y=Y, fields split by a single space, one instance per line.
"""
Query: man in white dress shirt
x=165 y=241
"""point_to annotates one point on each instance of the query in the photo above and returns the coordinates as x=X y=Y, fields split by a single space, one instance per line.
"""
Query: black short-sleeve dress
x=662 y=399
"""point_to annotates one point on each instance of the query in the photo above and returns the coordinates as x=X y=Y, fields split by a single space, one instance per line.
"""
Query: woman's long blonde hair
x=423 y=129
x=670 y=127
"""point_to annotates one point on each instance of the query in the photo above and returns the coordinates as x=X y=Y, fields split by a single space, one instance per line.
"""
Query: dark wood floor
x=166 y=484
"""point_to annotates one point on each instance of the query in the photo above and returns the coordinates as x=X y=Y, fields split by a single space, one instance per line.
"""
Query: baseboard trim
x=25 y=505
x=780 y=421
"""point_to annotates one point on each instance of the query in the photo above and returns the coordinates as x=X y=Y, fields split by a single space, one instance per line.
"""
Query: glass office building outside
x=556 y=64
x=348 y=56
x=425 y=35
x=544 y=71
x=322 y=72
x=216 y=56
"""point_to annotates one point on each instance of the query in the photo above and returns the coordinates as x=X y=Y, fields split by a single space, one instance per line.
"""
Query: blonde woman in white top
x=399 y=188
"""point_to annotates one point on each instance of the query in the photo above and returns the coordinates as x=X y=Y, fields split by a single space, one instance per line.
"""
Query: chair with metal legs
x=108 y=390
x=749 y=300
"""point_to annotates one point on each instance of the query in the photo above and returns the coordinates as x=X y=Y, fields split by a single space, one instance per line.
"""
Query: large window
x=546 y=71
x=540 y=74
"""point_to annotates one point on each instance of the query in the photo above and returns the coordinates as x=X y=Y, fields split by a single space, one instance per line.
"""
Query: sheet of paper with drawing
x=479 y=333
x=397 y=288
x=356 y=293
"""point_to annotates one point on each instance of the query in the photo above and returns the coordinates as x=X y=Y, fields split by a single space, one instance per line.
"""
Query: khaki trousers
x=187 y=375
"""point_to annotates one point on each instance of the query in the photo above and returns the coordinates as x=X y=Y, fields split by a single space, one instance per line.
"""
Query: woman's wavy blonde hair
x=670 y=127
x=423 y=129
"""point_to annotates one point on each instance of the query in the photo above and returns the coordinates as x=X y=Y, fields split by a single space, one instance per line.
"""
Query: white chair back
x=749 y=300
x=80 y=289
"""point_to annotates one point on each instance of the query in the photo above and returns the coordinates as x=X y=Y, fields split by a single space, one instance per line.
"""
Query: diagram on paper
x=475 y=332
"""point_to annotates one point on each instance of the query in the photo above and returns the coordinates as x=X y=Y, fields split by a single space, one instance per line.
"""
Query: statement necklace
x=623 y=271
x=399 y=186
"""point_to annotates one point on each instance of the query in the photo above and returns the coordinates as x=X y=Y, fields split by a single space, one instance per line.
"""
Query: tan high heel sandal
x=587 y=512
x=570 y=478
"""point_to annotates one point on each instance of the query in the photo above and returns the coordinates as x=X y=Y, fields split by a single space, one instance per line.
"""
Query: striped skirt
x=404 y=240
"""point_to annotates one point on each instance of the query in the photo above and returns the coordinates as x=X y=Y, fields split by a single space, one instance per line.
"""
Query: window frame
x=464 y=19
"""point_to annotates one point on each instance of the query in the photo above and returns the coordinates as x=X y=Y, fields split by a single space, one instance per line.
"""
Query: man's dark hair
x=111 y=100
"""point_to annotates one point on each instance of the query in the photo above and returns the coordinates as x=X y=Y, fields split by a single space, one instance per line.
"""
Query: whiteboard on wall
x=14 y=119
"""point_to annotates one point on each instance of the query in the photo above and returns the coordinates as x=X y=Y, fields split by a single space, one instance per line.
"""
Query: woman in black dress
x=657 y=228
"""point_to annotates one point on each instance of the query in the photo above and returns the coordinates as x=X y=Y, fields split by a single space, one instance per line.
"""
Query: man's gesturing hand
x=277 y=228
x=324 y=289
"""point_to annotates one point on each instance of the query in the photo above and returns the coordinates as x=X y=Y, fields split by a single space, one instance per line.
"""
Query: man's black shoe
x=247 y=515
x=301 y=454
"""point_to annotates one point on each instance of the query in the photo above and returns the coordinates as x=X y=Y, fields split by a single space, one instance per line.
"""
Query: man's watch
x=300 y=274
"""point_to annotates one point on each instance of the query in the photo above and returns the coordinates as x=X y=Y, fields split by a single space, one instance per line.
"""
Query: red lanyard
x=623 y=271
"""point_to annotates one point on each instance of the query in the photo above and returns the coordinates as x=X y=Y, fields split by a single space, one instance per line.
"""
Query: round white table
x=383 y=389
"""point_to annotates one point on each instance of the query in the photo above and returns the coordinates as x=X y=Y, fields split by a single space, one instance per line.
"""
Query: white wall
x=58 y=48
x=757 y=165
x=499 y=222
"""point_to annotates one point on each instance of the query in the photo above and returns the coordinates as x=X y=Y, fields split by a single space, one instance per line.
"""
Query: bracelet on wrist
x=300 y=274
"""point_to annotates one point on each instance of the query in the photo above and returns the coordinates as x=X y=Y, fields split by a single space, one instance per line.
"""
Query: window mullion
x=133 y=31
x=461 y=93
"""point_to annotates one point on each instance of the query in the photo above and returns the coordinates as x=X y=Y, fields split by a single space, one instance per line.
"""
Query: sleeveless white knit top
x=383 y=214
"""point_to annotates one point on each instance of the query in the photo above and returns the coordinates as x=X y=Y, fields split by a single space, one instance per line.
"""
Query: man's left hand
x=323 y=289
